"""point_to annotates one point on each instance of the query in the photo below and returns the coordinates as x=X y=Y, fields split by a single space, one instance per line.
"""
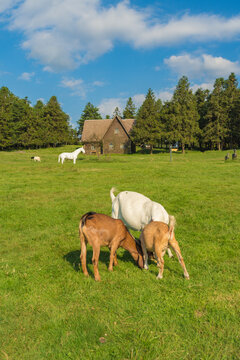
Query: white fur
x=70 y=156
x=37 y=158
x=137 y=210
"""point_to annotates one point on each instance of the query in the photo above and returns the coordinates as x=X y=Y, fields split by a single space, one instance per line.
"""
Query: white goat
x=36 y=158
x=137 y=210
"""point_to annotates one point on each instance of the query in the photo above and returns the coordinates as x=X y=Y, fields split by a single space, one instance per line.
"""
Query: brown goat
x=102 y=230
x=156 y=237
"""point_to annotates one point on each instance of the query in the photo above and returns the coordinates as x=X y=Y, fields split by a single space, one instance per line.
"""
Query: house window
x=92 y=147
x=111 y=146
x=121 y=146
x=116 y=131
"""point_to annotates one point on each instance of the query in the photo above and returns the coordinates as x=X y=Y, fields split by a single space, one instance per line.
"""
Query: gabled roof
x=94 y=130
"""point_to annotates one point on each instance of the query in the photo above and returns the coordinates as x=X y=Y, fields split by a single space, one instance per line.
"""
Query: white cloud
x=42 y=100
x=202 y=66
x=76 y=86
x=66 y=33
x=98 y=83
x=107 y=106
x=26 y=76
x=203 y=86
x=3 y=73
x=7 y=4
x=164 y=95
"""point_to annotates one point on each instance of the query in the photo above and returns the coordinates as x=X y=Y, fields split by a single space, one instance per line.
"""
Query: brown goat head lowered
x=156 y=237
x=102 y=230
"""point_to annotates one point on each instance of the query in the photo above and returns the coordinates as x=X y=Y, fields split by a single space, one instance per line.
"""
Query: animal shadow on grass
x=152 y=260
x=73 y=257
x=167 y=266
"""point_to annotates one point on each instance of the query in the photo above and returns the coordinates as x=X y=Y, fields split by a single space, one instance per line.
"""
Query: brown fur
x=156 y=237
x=102 y=230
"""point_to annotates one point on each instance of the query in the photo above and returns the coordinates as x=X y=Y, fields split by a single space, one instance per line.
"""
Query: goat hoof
x=159 y=277
x=187 y=277
x=97 y=278
x=145 y=267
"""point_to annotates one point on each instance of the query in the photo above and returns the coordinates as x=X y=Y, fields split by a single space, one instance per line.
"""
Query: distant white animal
x=137 y=210
x=71 y=156
x=36 y=158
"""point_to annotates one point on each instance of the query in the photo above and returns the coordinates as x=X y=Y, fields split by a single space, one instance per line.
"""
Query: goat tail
x=172 y=224
x=81 y=224
x=88 y=215
x=112 y=196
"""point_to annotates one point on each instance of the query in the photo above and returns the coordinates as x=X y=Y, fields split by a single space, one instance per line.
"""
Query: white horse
x=137 y=210
x=71 y=156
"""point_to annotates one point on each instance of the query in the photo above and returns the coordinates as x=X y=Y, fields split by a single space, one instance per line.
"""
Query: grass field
x=49 y=310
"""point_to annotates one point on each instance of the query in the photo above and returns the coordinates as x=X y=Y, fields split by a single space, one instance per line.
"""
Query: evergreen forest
x=204 y=119
x=38 y=126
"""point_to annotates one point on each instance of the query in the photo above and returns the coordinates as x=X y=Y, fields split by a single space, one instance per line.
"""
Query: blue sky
x=106 y=51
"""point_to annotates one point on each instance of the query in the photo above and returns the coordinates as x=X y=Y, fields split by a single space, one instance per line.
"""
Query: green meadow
x=50 y=311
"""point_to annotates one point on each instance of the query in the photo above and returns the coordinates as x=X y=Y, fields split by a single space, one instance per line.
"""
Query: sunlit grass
x=49 y=310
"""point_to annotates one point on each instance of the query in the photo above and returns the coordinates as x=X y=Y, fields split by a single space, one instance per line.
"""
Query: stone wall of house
x=115 y=140
x=92 y=148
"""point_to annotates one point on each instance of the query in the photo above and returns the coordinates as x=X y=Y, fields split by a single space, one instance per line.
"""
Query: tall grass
x=49 y=310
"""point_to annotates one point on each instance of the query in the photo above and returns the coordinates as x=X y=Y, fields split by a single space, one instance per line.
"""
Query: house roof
x=94 y=130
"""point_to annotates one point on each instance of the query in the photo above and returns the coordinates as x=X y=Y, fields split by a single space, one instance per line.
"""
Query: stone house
x=108 y=136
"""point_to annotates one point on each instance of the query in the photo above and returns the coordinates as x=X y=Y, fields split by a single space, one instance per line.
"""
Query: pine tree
x=90 y=112
x=21 y=120
x=216 y=129
x=201 y=97
x=24 y=126
x=130 y=110
x=235 y=123
x=6 y=129
x=201 y=100
x=182 y=119
x=167 y=119
x=56 y=123
x=231 y=94
x=147 y=128
x=117 y=112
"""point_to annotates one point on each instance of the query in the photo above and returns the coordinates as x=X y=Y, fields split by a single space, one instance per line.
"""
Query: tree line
x=205 y=119
x=26 y=126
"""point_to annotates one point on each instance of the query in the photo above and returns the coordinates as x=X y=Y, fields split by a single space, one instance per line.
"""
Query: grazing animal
x=234 y=155
x=102 y=230
x=36 y=158
x=227 y=157
x=71 y=156
x=156 y=237
x=137 y=210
